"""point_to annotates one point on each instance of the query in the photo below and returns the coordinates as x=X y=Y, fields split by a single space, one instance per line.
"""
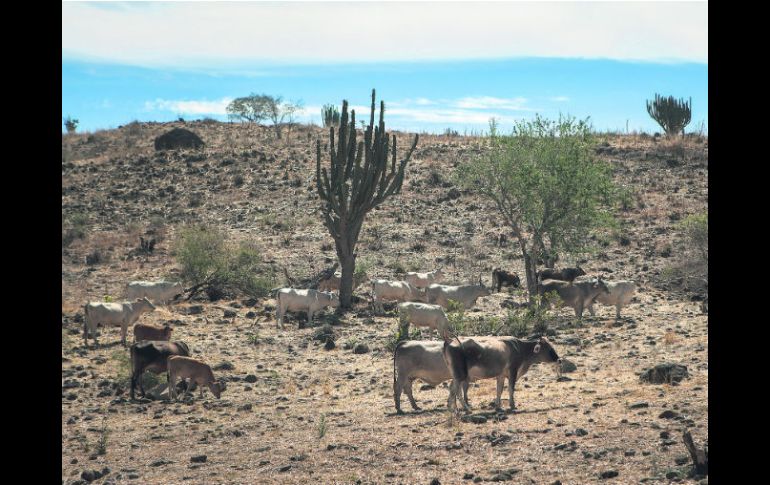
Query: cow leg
x=309 y=319
x=511 y=385
x=409 y=394
x=133 y=385
x=123 y=331
x=466 y=405
x=579 y=310
x=500 y=385
x=141 y=384
x=617 y=312
x=398 y=386
x=279 y=317
x=453 y=388
x=171 y=385
x=591 y=309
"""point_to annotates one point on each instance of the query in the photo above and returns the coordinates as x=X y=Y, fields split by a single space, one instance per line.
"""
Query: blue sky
x=125 y=61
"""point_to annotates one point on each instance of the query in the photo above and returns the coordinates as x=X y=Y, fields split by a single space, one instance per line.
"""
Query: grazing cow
x=199 y=373
x=578 y=295
x=113 y=314
x=621 y=294
x=502 y=278
x=423 y=280
x=566 y=274
x=143 y=331
x=156 y=291
x=465 y=294
x=417 y=359
x=385 y=290
x=424 y=315
x=152 y=355
x=333 y=282
x=309 y=301
x=493 y=357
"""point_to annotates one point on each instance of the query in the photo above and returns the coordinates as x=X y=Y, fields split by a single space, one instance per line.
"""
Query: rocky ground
x=294 y=411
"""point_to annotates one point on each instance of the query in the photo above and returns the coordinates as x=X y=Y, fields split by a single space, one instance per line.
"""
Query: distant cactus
x=671 y=114
x=71 y=124
x=330 y=115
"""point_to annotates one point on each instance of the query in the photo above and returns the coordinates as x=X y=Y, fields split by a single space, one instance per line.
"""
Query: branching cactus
x=330 y=115
x=358 y=179
x=671 y=114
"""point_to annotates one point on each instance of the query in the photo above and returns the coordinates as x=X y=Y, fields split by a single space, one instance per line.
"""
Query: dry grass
x=298 y=381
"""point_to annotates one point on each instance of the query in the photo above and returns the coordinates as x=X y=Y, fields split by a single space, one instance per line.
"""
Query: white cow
x=621 y=294
x=157 y=291
x=425 y=315
x=423 y=280
x=309 y=301
x=465 y=294
x=113 y=314
x=385 y=290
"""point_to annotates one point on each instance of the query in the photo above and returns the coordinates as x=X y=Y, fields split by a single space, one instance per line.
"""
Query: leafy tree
x=546 y=186
x=251 y=108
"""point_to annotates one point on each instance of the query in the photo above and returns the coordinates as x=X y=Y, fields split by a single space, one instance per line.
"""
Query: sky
x=437 y=65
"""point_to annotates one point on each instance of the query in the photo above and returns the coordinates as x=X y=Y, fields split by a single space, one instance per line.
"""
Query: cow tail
x=85 y=323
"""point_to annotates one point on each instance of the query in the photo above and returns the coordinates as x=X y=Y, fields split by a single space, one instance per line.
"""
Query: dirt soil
x=293 y=411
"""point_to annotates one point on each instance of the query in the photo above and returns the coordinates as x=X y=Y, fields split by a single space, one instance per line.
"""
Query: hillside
x=262 y=190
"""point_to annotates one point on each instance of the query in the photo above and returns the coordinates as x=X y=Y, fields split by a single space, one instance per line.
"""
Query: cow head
x=167 y=331
x=545 y=352
x=483 y=290
x=217 y=387
x=601 y=286
x=333 y=300
x=579 y=271
x=146 y=303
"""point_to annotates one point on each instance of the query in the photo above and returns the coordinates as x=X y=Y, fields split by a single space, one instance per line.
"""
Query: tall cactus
x=671 y=114
x=330 y=115
x=349 y=189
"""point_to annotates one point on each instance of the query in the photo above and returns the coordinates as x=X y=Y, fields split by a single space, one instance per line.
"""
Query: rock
x=198 y=459
x=581 y=432
x=251 y=378
x=230 y=313
x=251 y=315
x=195 y=310
x=435 y=482
x=682 y=460
x=639 y=405
x=224 y=366
x=608 y=474
x=468 y=476
x=568 y=366
x=474 y=418
x=329 y=345
x=668 y=414
x=665 y=373
x=245 y=407
x=672 y=474
x=665 y=435
x=563 y=379
x=361 y=349
x=90 y=475
x=178 y=138
x=284 y=468
x=160 y=462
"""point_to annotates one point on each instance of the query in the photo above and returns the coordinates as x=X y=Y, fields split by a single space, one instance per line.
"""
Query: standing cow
x=502 y=278
x=566 y=274
x=493 y=358
x=464 y=294
x=310 y=301
x=620 y=294
x=152 y=355
x=156 y=291
x=577 y=295
x=120 y=315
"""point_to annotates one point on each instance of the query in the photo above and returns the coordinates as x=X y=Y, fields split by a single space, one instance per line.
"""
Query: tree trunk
x=346 y=282
x=530 y=269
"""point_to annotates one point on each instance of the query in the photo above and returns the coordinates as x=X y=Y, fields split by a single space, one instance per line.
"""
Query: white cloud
x=487 y=102
x=229 y=34
x=559 y=99
x=189 y=107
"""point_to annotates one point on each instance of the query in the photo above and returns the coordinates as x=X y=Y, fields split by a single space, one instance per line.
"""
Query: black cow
x=566 y=274
x=152 y=355
x=502 y=278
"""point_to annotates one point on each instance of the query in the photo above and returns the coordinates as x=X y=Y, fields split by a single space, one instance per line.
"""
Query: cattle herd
x=422 y=301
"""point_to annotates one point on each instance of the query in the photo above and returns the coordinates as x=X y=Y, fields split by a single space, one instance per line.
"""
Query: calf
x=424 y=315
x=620 y=294
x=578 y=295
x=113 y=314
x=199 y=373
x=493 y=357
x=566 y=274
x=157 y=291
x=152 y=355
x=465 y=294
x=143 y=331
x=417 y=359
x=502 y=278
x=309 y=301
x=423 y=280
x=383 y=290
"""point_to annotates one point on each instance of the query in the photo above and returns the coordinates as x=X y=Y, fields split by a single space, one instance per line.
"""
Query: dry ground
x=328 y=416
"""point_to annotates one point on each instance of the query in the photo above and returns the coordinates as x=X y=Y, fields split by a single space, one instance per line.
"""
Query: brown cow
x=152 y=355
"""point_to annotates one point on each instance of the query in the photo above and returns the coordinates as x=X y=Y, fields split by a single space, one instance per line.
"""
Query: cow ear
x=537 y=348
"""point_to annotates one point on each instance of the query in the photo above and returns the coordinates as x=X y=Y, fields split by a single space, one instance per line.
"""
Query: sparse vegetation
x=71 y=124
